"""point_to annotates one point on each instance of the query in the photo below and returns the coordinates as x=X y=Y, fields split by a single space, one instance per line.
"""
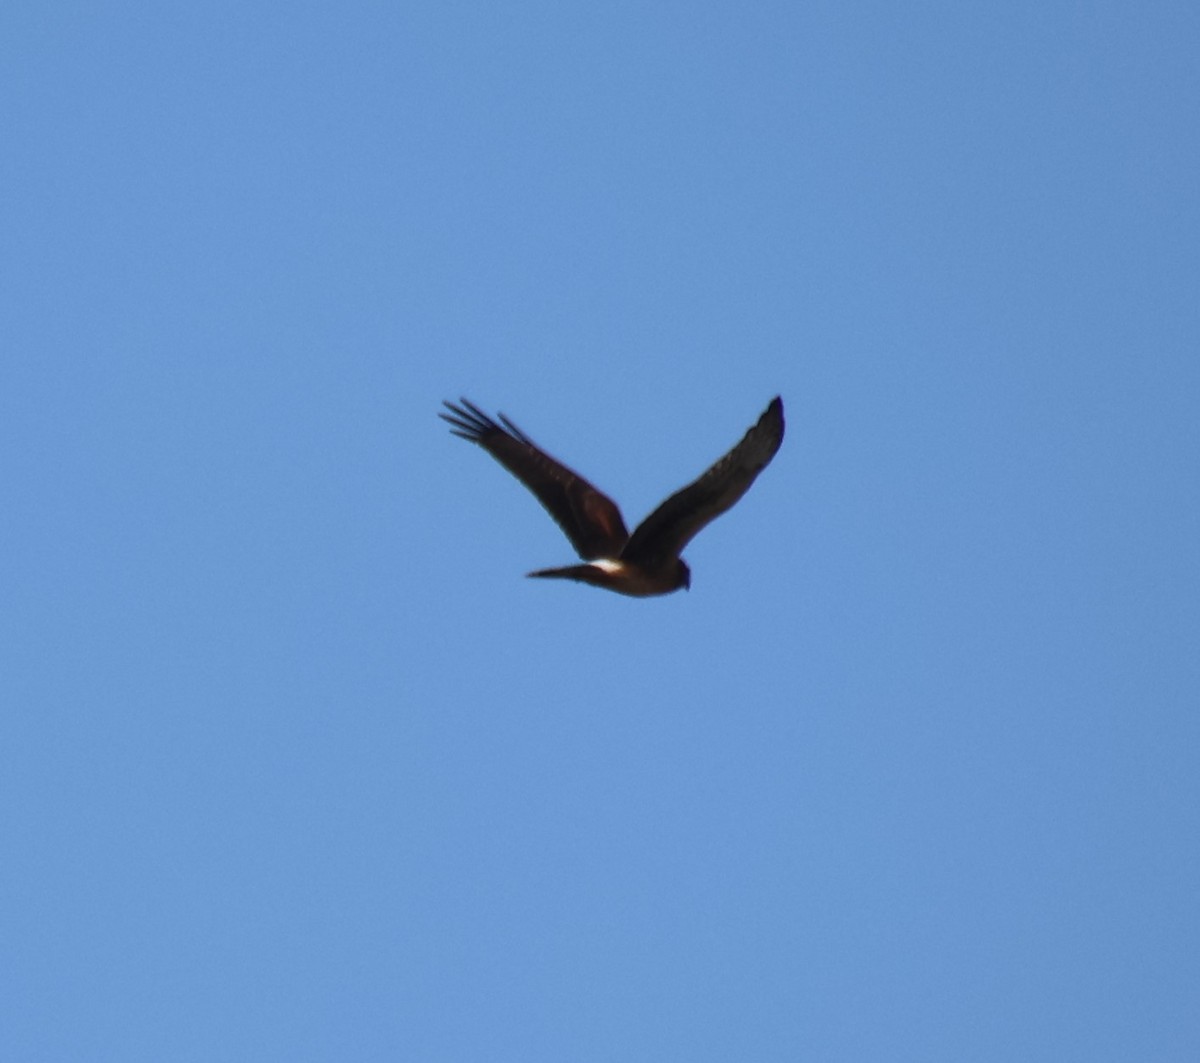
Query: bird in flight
x=647 y=562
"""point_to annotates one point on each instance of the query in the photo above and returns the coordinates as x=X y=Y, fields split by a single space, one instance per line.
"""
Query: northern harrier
x=644 y=563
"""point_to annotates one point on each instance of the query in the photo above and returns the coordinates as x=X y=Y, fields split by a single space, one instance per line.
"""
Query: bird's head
x=683 y=575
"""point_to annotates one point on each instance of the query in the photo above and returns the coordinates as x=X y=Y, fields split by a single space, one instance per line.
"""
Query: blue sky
x=295 y=764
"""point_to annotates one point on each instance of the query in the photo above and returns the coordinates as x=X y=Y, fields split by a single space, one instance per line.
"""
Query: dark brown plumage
x=646 y=562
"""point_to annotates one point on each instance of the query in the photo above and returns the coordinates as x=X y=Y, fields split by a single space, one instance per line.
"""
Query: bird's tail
x=576 y=572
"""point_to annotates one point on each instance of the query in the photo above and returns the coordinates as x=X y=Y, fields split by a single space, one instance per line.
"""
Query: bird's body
x=648 y=562
x=624 y=577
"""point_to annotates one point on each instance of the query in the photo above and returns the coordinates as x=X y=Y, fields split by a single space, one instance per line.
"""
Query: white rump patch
x=606 y=564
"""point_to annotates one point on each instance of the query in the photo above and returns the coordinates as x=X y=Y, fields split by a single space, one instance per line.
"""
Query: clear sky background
x=296 y=765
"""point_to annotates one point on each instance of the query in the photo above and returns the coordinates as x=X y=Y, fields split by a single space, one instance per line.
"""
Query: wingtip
x=467 y=420
x=774 y=411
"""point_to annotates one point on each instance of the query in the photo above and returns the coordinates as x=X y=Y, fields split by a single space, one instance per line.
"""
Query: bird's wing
x=589 y=518
x=667 y=530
